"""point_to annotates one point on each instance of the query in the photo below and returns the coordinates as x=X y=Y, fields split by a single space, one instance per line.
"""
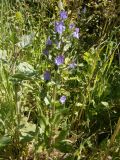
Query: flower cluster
x=60 y=28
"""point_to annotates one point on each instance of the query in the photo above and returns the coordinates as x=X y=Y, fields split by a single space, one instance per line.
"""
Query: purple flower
x=47 y=76
x=59 y=60
x=63 y=15
x=59 y=27
x=63 y=99
x=46 y=52
x=49 y=42
x=72 y=65
x=76 y=33
x=71 y=26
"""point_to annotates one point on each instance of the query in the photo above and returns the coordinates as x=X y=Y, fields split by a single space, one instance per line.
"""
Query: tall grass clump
x=59 y=80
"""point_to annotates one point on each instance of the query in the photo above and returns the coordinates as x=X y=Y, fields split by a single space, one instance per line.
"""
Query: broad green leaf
x=27 y=130
x=61 y=136
x=4 y=140
x=25 y=68
x=25 y=40
x=65 y=146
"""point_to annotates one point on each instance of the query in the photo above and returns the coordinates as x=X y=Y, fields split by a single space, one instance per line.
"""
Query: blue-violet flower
x=59 y=60
x=76 y=33
x=72 y=65
x=63 y=15
x=63 y=99
x=49 y=42
x=59 y=27
x=72 y=25
x=46 y=52
x=47 y=76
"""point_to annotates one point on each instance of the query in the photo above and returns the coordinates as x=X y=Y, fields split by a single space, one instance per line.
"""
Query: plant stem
x=17 y=132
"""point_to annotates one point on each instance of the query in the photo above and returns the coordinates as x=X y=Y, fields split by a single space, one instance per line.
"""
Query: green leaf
x=105 y=104
x=24 y=138
x=25 y=68
x=59 y=116
x=46 y=101
x=61 y=136
x=25 y=40
x=65 y=146
x=60 y=5
x=27 y=130
x=67 y=46
x=4 y=140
